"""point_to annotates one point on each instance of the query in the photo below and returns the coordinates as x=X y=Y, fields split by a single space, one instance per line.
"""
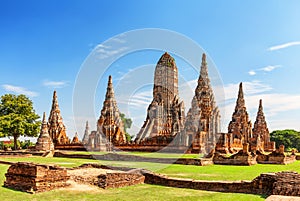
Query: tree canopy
x=17 y=117
x=127 y=124
x=289 y=138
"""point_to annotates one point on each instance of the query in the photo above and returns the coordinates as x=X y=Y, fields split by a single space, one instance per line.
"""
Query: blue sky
x=44 y=44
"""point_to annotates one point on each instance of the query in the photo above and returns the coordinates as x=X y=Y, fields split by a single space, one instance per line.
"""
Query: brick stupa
x=44 y=141
x=240 y=126
x=203 y=118
x=86 y=134
x=110 y=124
x=261 y=131
x=56 y=127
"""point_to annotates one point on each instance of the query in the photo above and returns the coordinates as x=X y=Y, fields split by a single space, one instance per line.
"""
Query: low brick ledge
x=280 y=183
x=121 y=157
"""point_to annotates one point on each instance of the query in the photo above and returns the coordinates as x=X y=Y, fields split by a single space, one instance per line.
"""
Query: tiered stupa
x=56 y=127
x=75 y=139
x=44 y=141
x=165 y=115
x=110 y=124
x=240 y=132
x=203 y=118
x=86 y=134
x=261 y=131
x=240 y=127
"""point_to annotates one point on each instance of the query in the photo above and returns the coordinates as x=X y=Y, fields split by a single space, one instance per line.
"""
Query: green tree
x=289 y=138
x=17 y=117
x=127 y=124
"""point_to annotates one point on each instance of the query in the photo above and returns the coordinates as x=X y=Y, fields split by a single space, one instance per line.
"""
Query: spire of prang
x=44 y=127
x=110 y=116
x=260 y=125
x=240 y=102
x=44 y=141
x=240 y=125
x=204 y=69
x=86 y=134
x=56 y=127
x=260 y=112
x=87 y=125
x=55 y=106
x=109 y=90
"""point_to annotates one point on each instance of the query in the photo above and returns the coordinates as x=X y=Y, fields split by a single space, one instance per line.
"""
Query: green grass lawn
x=142 y=192
x=225 y=172
x=144 y=154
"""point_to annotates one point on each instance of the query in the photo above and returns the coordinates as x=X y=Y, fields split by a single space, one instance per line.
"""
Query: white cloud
x=54 y=84
x=252 y=72
x=265 y=69
x=285 y=45
x=19 y=90
x=139 y=100
x=270 y=68
x=104 y=51
x=250 y=88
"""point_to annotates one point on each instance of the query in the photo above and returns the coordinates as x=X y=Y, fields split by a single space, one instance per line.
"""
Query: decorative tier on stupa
x=44 y=141
x=110 y=124
x=86 y=134
x=165 y=115
x=56 y=127
x=203 y=118
x=75 y=139
x=261 y=131
x=240 y=127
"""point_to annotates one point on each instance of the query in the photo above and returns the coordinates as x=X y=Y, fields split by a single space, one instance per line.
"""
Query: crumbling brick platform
x=32 y=178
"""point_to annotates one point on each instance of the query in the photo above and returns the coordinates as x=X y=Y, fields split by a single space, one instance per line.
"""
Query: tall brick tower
x=203 y=118
x=240 y=126
x=56 y=127
x=110 y=124
x=165 y=114
x=260 y=129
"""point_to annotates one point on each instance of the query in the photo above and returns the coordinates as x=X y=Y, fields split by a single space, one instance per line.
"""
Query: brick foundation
x=33 y=178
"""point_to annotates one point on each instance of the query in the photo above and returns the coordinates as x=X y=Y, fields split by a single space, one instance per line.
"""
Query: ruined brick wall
x=116 y=180
x=287 y=183
x=276 y=157
x=222 y=186
x=33 y=178
x=281 y=183
x=240 y=158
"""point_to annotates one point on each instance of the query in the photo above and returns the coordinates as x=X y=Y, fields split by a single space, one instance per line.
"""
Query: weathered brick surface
x=287 y=183
x=243 y=157
x=276 y=157
x=282 y=183
x=33 y=178
x=116 y=180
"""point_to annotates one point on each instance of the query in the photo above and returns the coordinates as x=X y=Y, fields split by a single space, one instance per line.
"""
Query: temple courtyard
x=80 y=191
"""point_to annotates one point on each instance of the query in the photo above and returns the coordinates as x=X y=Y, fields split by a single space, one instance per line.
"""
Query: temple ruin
x=260 y=130
x=56 y=127
x=165 y=115
x=166 y=124
x=240 y=130
x=44 y=141
x=203 y=118
x=110 y=128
